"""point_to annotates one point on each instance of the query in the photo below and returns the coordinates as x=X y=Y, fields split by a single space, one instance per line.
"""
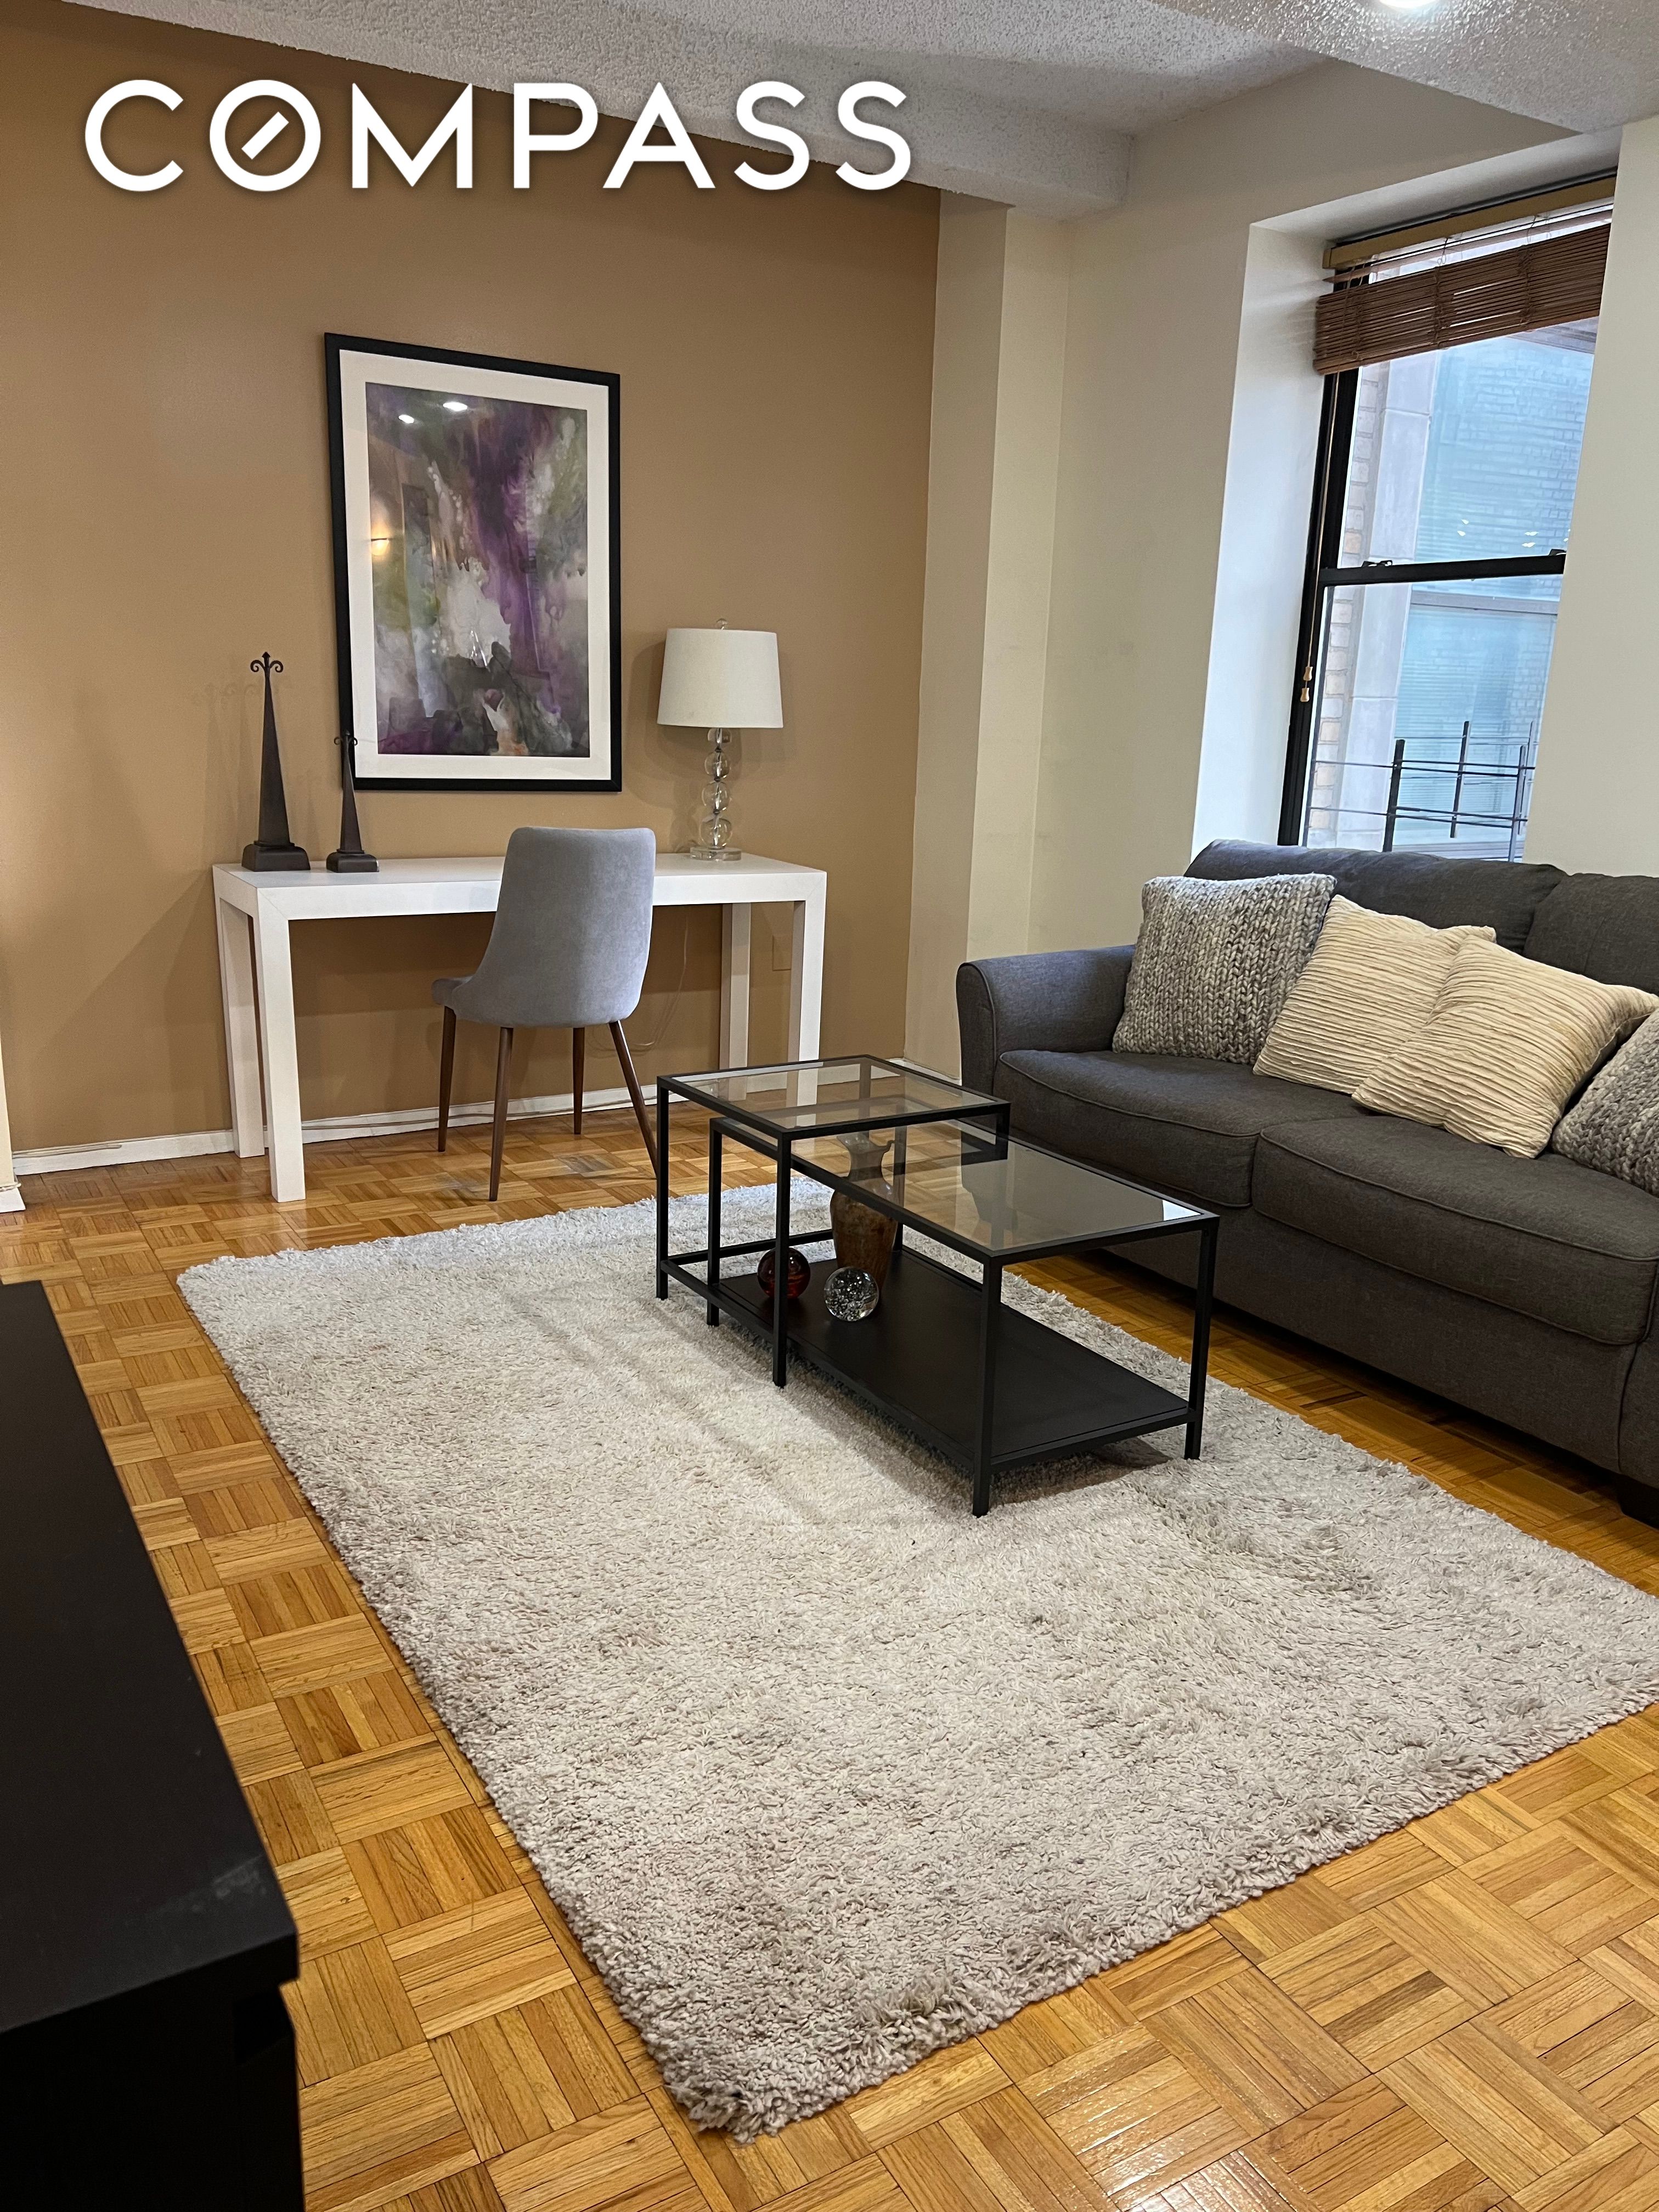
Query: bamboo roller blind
x=1489 y=295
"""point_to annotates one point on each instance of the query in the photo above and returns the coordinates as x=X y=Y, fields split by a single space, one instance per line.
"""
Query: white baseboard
x=917 y=1067
x=335 y=1128
x=53 y=1159
x=11 y=1199
x=331 y=1129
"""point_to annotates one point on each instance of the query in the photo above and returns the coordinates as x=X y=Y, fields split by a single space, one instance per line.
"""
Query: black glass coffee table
x=990 y=1387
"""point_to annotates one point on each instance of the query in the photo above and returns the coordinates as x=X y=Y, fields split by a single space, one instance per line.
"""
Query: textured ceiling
x=1035 y=101
x=1584 y=63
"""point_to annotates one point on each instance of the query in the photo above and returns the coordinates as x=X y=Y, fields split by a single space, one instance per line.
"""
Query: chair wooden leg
x=633 y=1083
x=445 y=1077
x=578 y=1057
x=498 y=1133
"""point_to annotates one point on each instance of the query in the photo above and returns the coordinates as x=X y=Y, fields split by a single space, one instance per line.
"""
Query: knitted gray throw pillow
x=1215 y=962
x=1615 y=1125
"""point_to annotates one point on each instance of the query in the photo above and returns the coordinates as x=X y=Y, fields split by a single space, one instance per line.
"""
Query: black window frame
x=1324 y=574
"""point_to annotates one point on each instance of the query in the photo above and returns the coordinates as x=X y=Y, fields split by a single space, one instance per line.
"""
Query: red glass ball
x=801 y=1272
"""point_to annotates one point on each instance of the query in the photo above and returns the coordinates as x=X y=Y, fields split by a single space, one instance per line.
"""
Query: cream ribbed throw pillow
x=1508 y=1045
x=1366 y=994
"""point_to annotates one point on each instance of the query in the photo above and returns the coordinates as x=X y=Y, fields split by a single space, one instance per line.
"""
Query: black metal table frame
x=727 y=1118
x=751 y=1131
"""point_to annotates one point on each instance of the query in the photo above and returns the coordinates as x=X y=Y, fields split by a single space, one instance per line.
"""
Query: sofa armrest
x=1040 y=1002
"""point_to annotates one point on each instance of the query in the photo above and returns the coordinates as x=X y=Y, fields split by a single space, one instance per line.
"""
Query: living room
x=829 y=1136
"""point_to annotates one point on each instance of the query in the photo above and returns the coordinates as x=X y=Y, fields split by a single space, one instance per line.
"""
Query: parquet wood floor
x=1463 y=2017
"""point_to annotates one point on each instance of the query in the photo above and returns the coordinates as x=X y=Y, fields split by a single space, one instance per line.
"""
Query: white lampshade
x=721 y=679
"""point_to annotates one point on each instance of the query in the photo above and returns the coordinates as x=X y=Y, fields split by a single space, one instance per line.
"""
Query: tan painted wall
x=1596 y=803
x=167 y=517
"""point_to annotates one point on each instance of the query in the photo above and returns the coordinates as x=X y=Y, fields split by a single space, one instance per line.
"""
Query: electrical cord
x=663 y=1027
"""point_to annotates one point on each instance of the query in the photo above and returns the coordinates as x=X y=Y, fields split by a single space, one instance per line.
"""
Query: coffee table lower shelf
x=916 y=1361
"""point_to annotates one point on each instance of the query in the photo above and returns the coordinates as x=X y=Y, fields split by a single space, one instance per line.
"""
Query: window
x=1440 y=536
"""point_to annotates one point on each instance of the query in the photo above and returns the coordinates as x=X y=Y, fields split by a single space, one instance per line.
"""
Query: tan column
x=998 y=358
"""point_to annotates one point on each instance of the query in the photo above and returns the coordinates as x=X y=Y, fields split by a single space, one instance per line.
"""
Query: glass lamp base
x=714 y=840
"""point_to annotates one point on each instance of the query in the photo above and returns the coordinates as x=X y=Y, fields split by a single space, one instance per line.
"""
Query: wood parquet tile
x=1366 y=2150
x=1377 y=1999
x=1460 y=2017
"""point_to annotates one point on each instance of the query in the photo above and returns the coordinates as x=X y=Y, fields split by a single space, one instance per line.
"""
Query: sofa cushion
x=1542 y=1237
x=1186 y=1125
x=1505 y=895
x=1606 y=926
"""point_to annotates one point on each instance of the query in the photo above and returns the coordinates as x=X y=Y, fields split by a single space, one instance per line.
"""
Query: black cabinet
x=146 y=2055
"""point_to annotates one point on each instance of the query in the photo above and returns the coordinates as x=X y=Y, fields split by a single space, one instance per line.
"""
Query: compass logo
x=237 y=139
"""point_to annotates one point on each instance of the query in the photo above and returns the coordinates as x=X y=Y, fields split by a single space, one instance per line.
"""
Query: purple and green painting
x=479 y=539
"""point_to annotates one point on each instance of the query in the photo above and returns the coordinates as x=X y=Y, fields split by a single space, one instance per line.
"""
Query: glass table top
x=853 y=1092
x=993 y=1198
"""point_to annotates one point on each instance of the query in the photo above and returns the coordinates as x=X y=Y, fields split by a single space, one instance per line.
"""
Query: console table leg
x=274 y=971
x=806 y=975
x=247 y=1116
x=715 y=1169
x=737 y=926
x=990 y=1313
x=1198 y=1374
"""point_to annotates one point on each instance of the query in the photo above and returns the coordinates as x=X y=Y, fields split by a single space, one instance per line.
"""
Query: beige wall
x=1261 y=560
x=1152 y=367
x=1167 y=408
x=167 y=517
x=1596 y=800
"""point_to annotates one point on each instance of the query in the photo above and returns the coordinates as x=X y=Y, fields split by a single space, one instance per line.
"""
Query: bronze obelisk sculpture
x=350 y=858
x=273 y=847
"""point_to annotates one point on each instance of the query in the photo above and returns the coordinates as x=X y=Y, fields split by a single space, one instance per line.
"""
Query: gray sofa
x=1524 y=1289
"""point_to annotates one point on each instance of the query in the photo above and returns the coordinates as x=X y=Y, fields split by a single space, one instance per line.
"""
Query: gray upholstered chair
x=567 y=951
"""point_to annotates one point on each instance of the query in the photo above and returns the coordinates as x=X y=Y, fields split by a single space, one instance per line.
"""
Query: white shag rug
x=825 y=1773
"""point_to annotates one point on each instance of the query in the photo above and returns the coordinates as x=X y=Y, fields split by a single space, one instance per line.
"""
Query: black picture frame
x=387 y=772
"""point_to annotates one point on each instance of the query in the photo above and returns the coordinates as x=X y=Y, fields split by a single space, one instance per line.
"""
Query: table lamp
x=722 y=680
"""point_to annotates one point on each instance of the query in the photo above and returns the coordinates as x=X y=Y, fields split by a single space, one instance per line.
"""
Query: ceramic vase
x=863 y=1238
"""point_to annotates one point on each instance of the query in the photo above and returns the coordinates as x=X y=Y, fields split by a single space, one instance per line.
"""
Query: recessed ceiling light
x=1410 y=7
x=406 y=418
x=454 y=407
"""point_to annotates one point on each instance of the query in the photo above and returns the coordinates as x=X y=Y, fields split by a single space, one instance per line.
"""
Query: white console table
x=255 y=912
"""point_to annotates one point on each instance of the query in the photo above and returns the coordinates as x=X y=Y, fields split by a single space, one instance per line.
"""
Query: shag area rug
x=825 y=1773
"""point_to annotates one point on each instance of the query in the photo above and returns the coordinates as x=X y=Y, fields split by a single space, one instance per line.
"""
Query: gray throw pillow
x=1215 y=962
x=1615 y=1125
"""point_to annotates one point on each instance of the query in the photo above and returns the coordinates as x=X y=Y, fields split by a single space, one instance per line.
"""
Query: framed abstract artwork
x=475 y=569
